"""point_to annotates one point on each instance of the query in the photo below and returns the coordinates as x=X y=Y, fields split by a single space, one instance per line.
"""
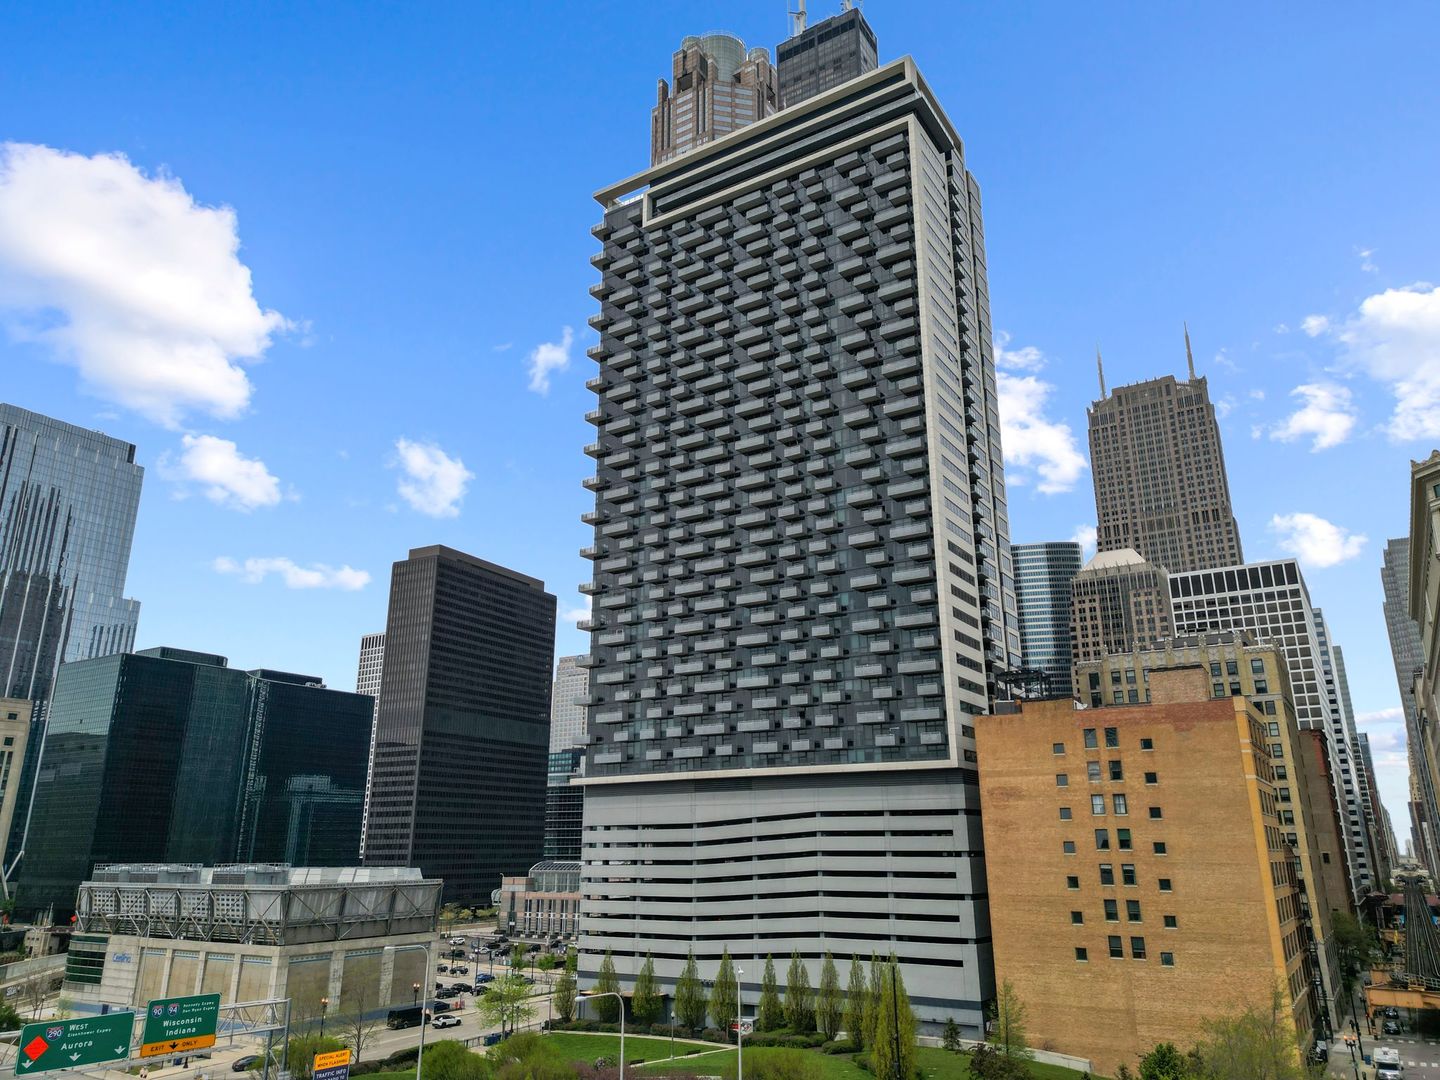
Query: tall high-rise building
x=1270 y=600
x=564 y=801
x=803 y=587
x=1043 y=573
x=1423 y=605
x=14 y=736
x=367 y=681
x=821 y=57
x=716 y=87
x=169 y=755
x=1159 y=472
x=464 y=723
x=68 y=500
x=1118 y=602
x=1404 y=634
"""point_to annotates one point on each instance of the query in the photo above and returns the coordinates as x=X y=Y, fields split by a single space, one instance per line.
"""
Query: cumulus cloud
x=575 y=614
x=1315 y=325
x=1315 y=541
x=1326 y=416
x=1395 y=338
x=128 y=279
x=549 y=356
x=1035 y=444
x=224 y=475
x=433 y=482
x=315 y=576
x=1367 y=263
x=1085 y=536
x=1025 y=358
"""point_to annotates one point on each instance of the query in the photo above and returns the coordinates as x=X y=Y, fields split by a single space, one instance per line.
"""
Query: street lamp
x=1350 y=1041
x=415 y=993
x=739 y=1027
x=415 y=988
x=621 y=1002
x=324 y=1007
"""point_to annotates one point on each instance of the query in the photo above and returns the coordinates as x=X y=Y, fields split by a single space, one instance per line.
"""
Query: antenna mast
x=798 y=19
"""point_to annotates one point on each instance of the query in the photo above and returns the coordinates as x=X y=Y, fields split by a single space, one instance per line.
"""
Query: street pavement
x=1419 y=1057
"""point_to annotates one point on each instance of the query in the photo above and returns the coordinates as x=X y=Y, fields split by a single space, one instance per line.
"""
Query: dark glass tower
x=825 y=55
x=464 y=722
x=170 y=755
x=1043 y=575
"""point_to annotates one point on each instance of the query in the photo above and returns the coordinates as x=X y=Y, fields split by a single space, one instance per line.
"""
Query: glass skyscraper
x=563 y=800
x=169 y=755
x=1043 y=573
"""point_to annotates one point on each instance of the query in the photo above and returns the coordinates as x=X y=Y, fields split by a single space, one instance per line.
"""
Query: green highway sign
x=180 y=1024
x=68 y=1044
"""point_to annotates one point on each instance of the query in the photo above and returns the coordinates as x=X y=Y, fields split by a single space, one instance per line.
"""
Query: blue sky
x=409 y=188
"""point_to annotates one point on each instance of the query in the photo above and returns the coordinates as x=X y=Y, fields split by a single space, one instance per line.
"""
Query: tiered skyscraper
x=1043 y=575
x=1159 y=471
x=716 y=87
x=368 y=677
x=802 y=587
x=68 y=500
x=464 y=724
x=823 y=56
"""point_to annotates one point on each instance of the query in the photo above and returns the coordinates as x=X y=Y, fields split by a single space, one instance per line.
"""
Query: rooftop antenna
x=1189 y=356
x=1100 y=367
x=797 y=20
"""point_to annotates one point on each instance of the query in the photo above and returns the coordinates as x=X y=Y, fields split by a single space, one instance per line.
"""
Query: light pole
x=415 y=987
x=324 y=1008
x=621 y=1002
x=415 y=993
x=739 y=1027
x=1350 y=1041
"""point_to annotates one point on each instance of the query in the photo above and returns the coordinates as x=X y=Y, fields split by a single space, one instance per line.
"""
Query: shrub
x=711 y=1034
x=784 y=1065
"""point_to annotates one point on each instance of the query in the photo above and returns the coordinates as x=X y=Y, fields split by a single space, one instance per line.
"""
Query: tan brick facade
x=1140 y=885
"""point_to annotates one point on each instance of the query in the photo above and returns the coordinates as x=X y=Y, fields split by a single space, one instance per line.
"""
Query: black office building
x=462 y=736
x=824 y=56
x=170 y=755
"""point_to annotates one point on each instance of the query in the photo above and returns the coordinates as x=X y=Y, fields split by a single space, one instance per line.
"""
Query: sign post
x=180 y=1024
x=69 y=1044
x=334 y=1065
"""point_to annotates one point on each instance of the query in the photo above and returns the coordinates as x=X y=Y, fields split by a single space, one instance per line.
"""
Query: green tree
x=828 y=1006
x=1164 y=1062
x=724 y=999
x=450 y=1060
x=799 y=997
x=358 y=1028
x=563 y=997
x=770 y=1016
x=987 y=1063
x=302 y=1049
x=872 y=1002
x=645 y=1003
x=547 y=962
x=572 y=961
x=1007 y=1024
x=10 y=1020
x=690 y=1003
x=857 y=993
x=1354 y=945
x=894 y=1049
x=607 y=1008
x=950 y=1038
x=1258 y=1044
x=517 y=955
x=508 y=1003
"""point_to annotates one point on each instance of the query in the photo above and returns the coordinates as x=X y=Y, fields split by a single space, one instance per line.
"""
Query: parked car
x=1391 y=1027
x=1320 y=1052
x=441 y=968
x=439 y=986
x=447 y=1021
x=484 y=978
x=1392 y=1013
x=447 y=992
x=439 y=1006
x=240 y=1064
x=459 y=969
x=462 y=988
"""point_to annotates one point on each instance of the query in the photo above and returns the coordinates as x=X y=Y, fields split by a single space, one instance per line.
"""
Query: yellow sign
x=332 y=1060
x=177 y=1046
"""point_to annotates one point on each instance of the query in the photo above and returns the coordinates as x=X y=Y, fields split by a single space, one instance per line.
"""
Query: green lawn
x=938 y=1064
x=581 y=1046
x=722 y=1063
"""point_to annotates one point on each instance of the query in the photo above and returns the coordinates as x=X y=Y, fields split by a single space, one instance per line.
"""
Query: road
x=1420 y=1057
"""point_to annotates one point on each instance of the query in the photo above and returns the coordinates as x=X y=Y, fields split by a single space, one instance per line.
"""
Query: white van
x=1387 y=1064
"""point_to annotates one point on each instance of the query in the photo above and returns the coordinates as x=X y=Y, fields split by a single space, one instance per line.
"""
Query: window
x=1115 y=678
x=1090 y=743
x=1102 y=839
x=1068 y=846
x=1234 y=687
x=1137 y=948
x=1167 y=959
x=1165 y=885
x=1084 y=954
x=1132 y=910
x=1094 y=680
x=1122 y=839
x=1097 y=805
x=1152 y=778
x=1118 y=697
x=1269 y=708
x=1064 y=813
x=1121 y=806
x=1217 y=689
x=1077 y=918
x=1112 y=737
x=1215 y=669
x=1112 y=911
x=1107 y=874
x=1171 y=922
x=1057 y=748
x=1072 y=881
x=1092 y=771
x=1061 y=780
x=1262 y=686
x=1147 y=744
x=1232 y=668
x=1155 y=813
x=1159 y=846
x=1127 y=873
x=1117 y=771
x=1116 y=952
x=1273 y=730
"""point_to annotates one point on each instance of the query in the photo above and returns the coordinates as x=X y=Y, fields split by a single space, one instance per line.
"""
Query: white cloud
x=1327 y=414
x=1282 y=328
x=1026 y=358
x=1395 y=338
x=295 y=576
x=1085 y=536
x=1315 y=541
x=434 y=482
x=128 y=279
x=1224 y=406
x=224 y=475
x=1315 y=325
x=1032 y=442
x=1367 y=264
x=549 y=356
x=575 y=614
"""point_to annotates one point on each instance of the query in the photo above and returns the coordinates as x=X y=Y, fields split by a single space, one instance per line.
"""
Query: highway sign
x=68 y=1044
x=180 y=1024
x=332 y=1066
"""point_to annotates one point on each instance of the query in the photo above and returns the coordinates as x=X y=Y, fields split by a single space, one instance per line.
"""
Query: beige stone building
x=14 y=735
x=1140 y=877
x=1118 y=602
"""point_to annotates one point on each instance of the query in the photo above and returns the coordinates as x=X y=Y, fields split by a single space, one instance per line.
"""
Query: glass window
x=1092 y=771
x=1068 y=847
x=1097 y=805
x=1152 y=778
x=1112 y=737
x=1122 y=839
x=1057 y=748
x=1072 y=881
x=1257 y=666
x=1270 y=709
x=1112 y=911
x=1215 y=669
x=1061 y=780
x=1217 y=690
x=1107 y=874
x=1102 y=839
x=1147 y=744
x=1121 y=806
x=1137 y=948
x=1171 y=922
x=1159 y=847
x=1261 y=686
x=1132 y=910
x=1117 y=771
x=1130 y=676
x=1081 y=953
x=1165 y=885
x=1127 y=873
x=1273 y=729
x=1077 y=918
x=1094 y=680
x=1118 y=697
x=1167 y=959
x=1116 y=952
x=1232 y=668
x=1156 y=813
x=1064 y=813
x=1090 y=743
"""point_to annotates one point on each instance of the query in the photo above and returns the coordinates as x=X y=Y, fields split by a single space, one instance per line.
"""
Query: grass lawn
x=581 y=1046
x=938 y=1064
x=722 y=1063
